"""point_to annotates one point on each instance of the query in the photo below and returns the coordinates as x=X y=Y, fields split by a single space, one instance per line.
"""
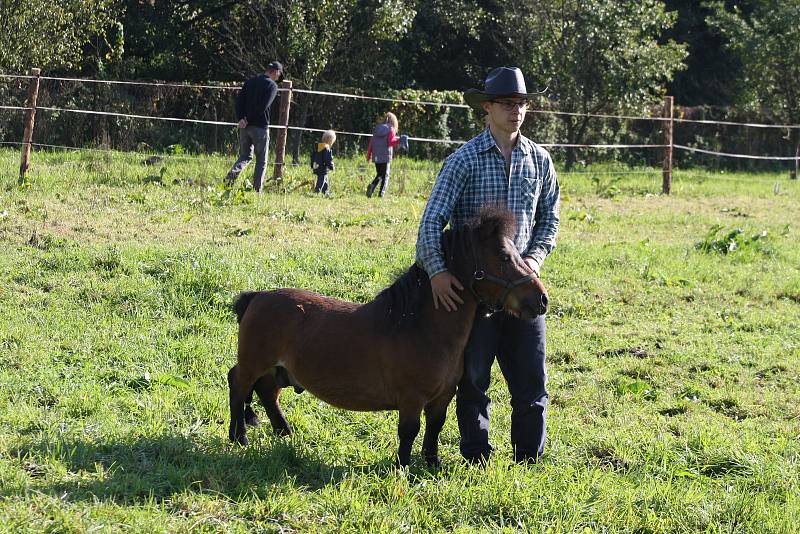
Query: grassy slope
x=673 y=372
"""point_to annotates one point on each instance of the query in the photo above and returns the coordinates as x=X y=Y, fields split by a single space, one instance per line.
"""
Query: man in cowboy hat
x=499 y=166
x=252 y=111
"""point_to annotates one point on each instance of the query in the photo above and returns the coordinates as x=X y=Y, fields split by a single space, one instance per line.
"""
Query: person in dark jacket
x=322 y=161
x=252 y=111
x=380 y=151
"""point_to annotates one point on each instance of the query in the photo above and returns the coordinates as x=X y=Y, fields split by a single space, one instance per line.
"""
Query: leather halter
x=508 y=285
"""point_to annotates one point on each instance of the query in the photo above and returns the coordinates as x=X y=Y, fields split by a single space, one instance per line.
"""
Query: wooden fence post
x=796 y=162
x=666 y=184
x=30 y=116
x=283 y=120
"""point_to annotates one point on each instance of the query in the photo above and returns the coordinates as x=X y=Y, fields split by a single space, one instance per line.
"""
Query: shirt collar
x=485 y=141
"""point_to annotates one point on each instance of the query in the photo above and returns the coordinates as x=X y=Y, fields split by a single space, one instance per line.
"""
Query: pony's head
x=483 y=256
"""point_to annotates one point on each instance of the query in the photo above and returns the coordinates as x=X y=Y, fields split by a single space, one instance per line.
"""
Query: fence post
x=283 y=120
x=30 y=116
x=666 y=184
x=796 y=162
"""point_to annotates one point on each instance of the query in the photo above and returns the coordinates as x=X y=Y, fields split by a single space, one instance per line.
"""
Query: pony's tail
x=242 y=302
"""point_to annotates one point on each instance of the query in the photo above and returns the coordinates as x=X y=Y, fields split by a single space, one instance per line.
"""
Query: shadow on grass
x=160 y=467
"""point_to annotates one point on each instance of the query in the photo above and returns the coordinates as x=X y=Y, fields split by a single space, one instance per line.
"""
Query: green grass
x=674 y=366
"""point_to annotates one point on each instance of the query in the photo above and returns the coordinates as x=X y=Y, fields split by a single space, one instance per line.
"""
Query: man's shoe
x=370 y=189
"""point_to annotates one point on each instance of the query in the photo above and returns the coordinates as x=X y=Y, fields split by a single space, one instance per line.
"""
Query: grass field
x=674 y=356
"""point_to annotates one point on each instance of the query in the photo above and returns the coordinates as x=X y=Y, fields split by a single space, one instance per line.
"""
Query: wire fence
x=124 y=122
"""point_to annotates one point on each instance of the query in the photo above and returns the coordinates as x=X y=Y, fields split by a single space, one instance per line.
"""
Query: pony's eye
x=506 y=258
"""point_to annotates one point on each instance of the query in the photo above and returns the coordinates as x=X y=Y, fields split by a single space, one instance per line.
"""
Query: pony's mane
x=400 y=303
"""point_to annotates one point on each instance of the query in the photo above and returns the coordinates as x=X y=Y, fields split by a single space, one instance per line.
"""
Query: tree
x=711 y=70
x=767 y=43
x=596 y=55
x=321 y=41
x=453 y=44
x=52 y=35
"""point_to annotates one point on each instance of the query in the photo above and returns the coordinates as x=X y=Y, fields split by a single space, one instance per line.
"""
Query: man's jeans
x=252 y=139
x=519 y=345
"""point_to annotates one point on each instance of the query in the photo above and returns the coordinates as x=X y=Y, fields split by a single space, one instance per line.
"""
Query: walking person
x=380 y=151
x=499 y=166
x=322 y=161
x=252 y=111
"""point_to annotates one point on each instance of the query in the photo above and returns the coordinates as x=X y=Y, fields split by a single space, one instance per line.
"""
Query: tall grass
x=674 y=360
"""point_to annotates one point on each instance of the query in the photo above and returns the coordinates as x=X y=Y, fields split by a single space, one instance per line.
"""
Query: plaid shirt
x=475 y=175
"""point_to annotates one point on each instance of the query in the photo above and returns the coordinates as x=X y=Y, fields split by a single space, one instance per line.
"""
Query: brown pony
x=394 y=353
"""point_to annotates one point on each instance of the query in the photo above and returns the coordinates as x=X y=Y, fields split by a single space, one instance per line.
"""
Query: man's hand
x=443 y=286
x=243 y=124
x=530 y=262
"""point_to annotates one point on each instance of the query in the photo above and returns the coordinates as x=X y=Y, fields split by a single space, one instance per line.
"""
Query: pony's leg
x=268 y=391
x=435 y=416
x=240 y=388
x=250 y=417
x=407 y=430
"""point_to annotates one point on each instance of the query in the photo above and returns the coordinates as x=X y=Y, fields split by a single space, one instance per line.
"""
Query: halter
x=508 y=285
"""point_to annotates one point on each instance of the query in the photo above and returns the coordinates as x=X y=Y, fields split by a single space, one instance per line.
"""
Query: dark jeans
x=322 y=183
x=382 y=178
x=252 y=140
x=519 y=346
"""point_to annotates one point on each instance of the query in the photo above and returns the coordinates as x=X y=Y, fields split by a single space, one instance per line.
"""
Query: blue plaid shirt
x=475 y=175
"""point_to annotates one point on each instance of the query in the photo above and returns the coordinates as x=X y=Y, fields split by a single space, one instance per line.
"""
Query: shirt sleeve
x=241 y=100
x=269 y=97
x=393 y=139
x=446 y=191
x=546 y=219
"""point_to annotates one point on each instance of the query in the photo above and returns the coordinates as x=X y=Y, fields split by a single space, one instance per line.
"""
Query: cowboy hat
x=500 y=83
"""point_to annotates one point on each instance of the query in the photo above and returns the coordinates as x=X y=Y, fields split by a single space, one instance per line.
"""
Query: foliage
x=317 y=41
x=721 y=241
x=767 y=42
x=55 y=35
x=596 y=56
x=712 y=72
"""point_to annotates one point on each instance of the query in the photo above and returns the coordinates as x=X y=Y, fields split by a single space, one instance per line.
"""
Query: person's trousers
x=519 y=345
x=253 y=140
x=381 y=177
x=322 y=183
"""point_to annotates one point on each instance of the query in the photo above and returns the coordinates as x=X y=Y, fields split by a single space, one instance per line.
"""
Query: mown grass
x=673 y=366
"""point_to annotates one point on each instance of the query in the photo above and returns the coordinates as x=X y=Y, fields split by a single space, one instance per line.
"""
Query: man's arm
x=546 y=220
x=272 y=91
x=241 y=100
x=446 y=191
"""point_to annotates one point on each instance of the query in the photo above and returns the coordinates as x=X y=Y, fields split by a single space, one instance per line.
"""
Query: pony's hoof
x=251 y=418
x=433 y=461
x=240 y=439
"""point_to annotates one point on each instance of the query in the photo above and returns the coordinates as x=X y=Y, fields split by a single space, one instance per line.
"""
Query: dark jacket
x=254 y=100
x=322 y=159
